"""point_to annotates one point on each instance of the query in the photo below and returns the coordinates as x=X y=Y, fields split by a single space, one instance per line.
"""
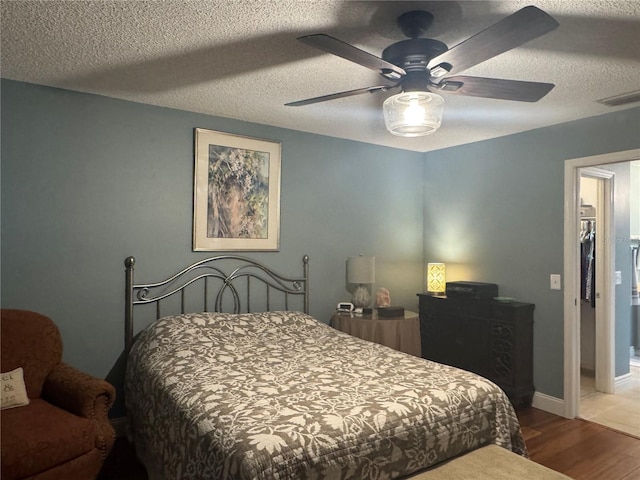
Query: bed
x=273 y=393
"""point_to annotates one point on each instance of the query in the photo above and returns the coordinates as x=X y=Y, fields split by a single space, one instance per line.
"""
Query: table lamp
x=361 y=271
x=436 y=281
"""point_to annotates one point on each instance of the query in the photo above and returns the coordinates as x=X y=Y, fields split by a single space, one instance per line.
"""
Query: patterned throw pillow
x=14 y=392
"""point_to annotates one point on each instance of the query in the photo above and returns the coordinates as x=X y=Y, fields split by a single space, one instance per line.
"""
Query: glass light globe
x=413 y=114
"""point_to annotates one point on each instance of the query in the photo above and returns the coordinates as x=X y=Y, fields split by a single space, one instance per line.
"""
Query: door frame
x=572 y=174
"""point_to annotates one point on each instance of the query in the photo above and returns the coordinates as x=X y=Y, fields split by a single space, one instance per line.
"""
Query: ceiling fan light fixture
x=413 y=114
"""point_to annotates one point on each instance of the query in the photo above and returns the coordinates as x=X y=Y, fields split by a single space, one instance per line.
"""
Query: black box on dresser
x=487 y=337
x=477 y=290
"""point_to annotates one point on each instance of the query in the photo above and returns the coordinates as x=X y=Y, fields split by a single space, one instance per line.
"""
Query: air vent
x=623 y=99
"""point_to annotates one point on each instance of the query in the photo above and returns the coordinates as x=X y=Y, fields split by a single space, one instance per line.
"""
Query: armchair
x=63 y=432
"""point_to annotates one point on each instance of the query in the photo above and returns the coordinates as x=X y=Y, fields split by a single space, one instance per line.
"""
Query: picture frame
x=236 y=192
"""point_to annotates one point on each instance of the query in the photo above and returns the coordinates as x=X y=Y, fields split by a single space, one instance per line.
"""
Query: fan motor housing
x=413 y=54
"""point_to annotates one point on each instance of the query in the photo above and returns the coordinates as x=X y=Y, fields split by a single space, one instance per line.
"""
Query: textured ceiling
x=240 y=59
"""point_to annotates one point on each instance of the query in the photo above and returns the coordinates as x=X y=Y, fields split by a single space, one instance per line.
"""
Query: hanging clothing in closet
x=587 y=261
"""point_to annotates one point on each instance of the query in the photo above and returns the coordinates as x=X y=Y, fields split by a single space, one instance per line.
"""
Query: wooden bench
x=490 y=463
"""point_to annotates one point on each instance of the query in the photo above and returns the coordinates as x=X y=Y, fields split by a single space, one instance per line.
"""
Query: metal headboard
x=207 y=271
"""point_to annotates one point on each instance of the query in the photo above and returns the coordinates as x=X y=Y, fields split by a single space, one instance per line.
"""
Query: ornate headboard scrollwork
x=226 y=273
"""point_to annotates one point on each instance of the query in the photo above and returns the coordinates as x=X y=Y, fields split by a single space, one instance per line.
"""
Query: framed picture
x=236 y=192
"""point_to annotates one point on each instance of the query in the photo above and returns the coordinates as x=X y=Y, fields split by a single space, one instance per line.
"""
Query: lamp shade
x=436 y=281
x=413 y=114
x=361 y=269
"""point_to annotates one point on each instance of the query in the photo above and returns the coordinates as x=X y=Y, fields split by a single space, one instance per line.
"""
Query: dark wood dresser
x=487 y=337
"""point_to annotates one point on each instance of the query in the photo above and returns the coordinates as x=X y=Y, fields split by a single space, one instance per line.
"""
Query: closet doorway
x=604 y=349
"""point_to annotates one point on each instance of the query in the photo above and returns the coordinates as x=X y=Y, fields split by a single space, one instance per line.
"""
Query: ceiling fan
x=421 y=66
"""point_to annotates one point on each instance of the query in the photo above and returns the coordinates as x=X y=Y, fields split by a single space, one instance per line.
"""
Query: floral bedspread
x=280 y=395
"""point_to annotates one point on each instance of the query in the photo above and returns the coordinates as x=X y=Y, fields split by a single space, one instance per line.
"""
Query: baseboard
x=548 y=403
x=119 y=424
x=589 y=372
x=621 y=381
x=556 y=405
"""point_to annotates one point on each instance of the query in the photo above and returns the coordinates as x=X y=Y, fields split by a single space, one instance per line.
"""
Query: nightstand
x=400 y=333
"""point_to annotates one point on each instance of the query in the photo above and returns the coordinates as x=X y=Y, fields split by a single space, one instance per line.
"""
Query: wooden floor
x=577 y=448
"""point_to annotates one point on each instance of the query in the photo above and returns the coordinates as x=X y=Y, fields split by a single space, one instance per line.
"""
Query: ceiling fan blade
x=354 y=54
x=495 y=88
x=510 y=32
x=333 y=96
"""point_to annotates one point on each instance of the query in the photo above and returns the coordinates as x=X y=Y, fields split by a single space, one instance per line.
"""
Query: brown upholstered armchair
x=64 y=431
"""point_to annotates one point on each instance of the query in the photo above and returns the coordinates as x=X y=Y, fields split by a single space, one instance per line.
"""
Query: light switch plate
x=555 y=280
x=618 y=277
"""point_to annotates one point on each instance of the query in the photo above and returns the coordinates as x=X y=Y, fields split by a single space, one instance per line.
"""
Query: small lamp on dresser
x=361 y=271
x=436 y=278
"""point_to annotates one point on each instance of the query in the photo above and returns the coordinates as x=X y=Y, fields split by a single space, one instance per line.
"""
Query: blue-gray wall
x=88 y=181
x=494 y=213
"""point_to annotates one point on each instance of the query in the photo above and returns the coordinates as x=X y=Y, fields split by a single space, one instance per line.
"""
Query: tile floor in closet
x=620 y=411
